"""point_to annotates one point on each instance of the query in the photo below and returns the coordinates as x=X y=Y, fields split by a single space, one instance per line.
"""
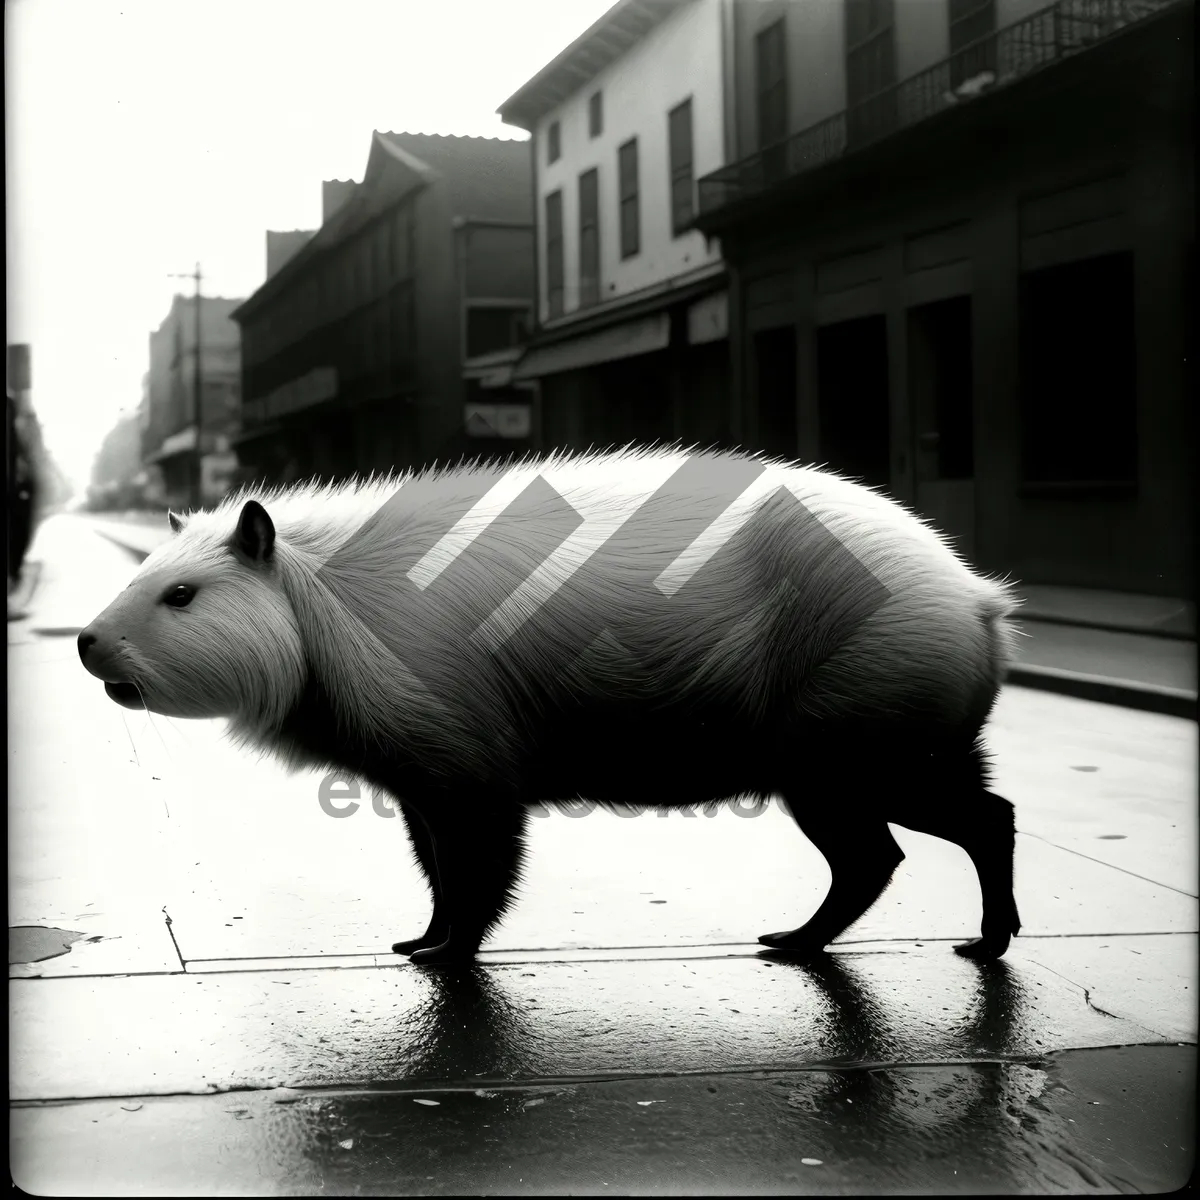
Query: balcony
x=1009 y=54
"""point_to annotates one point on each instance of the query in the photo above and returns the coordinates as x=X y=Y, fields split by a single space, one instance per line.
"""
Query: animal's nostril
x=86 y=642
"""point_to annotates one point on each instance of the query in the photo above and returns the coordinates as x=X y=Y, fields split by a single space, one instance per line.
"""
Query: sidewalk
x=224 y=1015
x=1136 y=651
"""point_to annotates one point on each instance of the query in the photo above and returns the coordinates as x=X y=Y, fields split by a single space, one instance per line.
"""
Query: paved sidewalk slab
x=1114 y=784
x=899 y=1002
x=84 y=815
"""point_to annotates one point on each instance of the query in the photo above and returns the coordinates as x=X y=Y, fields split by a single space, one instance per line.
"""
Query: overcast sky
x=146 y=135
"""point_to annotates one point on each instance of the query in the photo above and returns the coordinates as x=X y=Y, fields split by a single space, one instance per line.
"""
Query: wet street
x=203 y=1001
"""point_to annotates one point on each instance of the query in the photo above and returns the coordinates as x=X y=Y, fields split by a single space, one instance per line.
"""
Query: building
x=960 y=241
x=190 y=463
x=357 y=350
x=117 y=468
x=631 y=331
x=284 y=245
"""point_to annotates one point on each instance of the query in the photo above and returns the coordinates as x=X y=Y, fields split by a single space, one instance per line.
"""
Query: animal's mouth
x=126 y=695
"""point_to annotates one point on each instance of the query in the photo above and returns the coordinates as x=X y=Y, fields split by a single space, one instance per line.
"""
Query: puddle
x=34 y=943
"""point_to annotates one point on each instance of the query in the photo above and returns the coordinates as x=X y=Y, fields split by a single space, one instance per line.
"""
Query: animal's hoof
x=795 y=943
x=409 y=946
x=982 y=950
x=429 y=938
x=445 y=953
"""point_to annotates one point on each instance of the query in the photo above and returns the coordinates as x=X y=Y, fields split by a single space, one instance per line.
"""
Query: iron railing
x=1002 y=57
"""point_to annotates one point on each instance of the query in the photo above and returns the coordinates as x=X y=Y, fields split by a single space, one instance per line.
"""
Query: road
x=226 y=935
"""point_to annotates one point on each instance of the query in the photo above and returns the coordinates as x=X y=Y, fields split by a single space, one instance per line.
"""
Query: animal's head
x=205 y=628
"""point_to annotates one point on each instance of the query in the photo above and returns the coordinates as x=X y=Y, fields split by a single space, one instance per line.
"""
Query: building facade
x=190 y=461
x=960 y=236
x=355 y=348
x=631 y=324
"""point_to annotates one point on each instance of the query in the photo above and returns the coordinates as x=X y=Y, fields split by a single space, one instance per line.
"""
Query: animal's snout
x=87 y=640
x=100 y=654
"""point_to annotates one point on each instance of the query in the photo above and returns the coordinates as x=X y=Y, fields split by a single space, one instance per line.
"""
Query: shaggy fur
x=810 y=637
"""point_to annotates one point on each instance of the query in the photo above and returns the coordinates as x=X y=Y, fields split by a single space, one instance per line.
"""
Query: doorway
x=852 y=403
x=941 y=396
x=775 y=389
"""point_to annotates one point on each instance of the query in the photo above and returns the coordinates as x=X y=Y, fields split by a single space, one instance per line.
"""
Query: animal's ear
x=177 y=522
x=255 y=534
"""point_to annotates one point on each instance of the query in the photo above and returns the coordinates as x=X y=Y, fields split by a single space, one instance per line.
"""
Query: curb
x=139 y=554
x=1157 y=631
x=1171 y=702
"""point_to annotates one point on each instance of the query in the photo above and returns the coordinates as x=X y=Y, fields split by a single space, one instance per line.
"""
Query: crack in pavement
x=171 y=935
x=1111 y=866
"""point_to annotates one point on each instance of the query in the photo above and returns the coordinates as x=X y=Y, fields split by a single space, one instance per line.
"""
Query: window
x=374 y=263
x=971 y=20
x=553 y=146
x=400 y=245
x=627 y=171
x=595 y=115
x=1078 y=373
x=406 y=325
x=679 y=122
x=382 y=343
x=554 y=253
x=771 y=81
x=589 y=237
x=400 y=335
x=771 y=74
x=490 y=329
x=870 y=68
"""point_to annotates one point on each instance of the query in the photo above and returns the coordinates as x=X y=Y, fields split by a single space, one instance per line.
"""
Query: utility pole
x=197 y=382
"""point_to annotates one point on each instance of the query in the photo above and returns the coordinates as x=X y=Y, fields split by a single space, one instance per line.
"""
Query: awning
x=606 y=345
x=256 y=433
x=305 y=391
x=182 y=442
x=493 y=370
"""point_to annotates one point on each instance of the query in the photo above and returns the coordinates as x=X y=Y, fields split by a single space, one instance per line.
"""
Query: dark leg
x=422 y=844
x=478 y=850
x=983 y=825
x=20 y=532
x=862 y=856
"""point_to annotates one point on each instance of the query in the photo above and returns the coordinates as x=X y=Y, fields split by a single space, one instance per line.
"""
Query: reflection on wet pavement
x=1049 y=1126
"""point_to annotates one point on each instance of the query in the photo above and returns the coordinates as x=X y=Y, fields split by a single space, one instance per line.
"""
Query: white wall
x=678 y=59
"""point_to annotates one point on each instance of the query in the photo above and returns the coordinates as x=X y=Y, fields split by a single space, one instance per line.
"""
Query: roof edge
x=516 y=110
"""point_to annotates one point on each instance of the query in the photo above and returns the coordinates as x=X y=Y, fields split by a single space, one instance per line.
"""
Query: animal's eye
x=179 y=596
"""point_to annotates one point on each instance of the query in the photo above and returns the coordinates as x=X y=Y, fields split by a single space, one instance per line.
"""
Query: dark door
x=940 y=378
x=852 y=405
x=775 y=391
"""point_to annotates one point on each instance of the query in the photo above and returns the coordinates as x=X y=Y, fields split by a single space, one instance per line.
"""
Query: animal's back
x=573 y=602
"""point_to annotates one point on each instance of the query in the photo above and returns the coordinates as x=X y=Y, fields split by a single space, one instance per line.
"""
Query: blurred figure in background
x=22 y=501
